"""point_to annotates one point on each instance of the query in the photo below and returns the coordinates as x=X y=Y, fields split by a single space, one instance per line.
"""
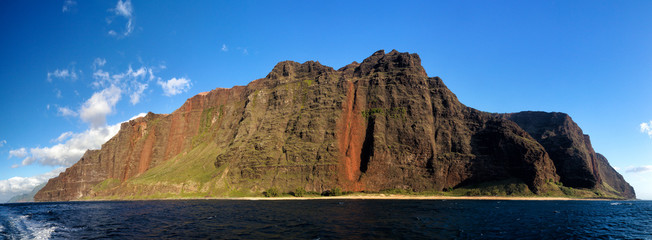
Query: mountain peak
x=289 y=69
x=392 y=62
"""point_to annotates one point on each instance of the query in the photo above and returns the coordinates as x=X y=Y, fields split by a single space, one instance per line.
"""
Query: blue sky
x=71 y=71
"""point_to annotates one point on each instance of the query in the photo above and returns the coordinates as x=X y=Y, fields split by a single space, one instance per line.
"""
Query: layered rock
x=379 y=124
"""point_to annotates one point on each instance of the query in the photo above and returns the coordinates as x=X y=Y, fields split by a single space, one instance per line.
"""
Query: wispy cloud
x=174 y=86
x=125 y=10
x=20 y=185
x=68 y=5
x=66 y=112
x=647 y=128
x=243 y=49
x=98 y=62
x=224 y=48
x=131 y=82
x=64 y=74
x=640 y=169
x=134 y=97
x=2 y=143
x=64 y=136
x=57 y=93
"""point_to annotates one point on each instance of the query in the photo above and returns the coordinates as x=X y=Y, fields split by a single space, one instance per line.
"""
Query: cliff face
x=379 y=124
x=578 y=165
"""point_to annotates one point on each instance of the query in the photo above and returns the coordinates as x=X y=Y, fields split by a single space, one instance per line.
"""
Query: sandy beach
x=406 y=197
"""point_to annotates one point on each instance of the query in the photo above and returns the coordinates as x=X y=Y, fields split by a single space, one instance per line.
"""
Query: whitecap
x=30 y=229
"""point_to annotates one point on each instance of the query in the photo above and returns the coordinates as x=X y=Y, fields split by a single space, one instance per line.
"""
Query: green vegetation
x=507 y=187
x=197 y=165
x=106 y=184
x=272 y=192
x=397 y=191
x=370 y=112
x=336 y=191
x=395 y=112
x=299 y=192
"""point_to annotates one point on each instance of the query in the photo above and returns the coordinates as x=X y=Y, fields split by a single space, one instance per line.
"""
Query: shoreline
x=368 y=197
x=406 y=197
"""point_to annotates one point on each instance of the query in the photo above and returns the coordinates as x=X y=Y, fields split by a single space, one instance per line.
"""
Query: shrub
x=474 y=192
x=300 y=192
x=336 y=191
x=567 y=190
x=272 y=192
x=396 y=191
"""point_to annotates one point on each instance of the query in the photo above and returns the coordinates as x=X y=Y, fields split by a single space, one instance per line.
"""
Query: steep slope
x=612 y=182
x=578 y=165
x=379 y=124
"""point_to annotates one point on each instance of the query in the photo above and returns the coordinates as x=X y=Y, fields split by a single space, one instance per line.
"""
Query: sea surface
x=328 y=219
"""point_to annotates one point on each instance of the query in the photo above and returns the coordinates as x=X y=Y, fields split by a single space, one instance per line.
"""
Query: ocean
x=328 y=219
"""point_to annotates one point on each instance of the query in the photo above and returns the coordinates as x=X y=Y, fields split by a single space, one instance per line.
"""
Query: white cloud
x=67 y=153
x=174 y=86
x=64 y=136
x=647 y=128
x=224 y=48
x=2 y=143
x=66 y=112
x=134 y=98
x=101 y=104
x=99 y=62
x=101 y=78
x=245 y=52
x=28 y=161
x=68 y=5
x=69 y=74
x=126 y=10
x=640 y=169
x=131 y=82
x=62 y=154
x=20 y=185
x=19 y=153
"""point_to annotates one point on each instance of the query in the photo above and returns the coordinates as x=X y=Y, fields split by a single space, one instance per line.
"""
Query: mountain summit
x=376 y=125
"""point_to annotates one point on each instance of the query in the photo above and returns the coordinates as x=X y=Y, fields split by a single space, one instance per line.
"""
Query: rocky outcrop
x=379 y=124
x=578 y=165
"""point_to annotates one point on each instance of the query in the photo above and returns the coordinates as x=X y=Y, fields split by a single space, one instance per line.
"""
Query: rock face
x=578 y=165
x=379 y=124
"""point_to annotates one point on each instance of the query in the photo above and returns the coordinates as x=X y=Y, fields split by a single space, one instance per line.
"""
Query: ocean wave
x=23 y=227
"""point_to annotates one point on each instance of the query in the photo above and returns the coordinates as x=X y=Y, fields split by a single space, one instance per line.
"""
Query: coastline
x=370 y=197
x=406 y=197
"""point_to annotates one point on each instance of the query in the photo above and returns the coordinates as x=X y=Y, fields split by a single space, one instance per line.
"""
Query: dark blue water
x=328 y=219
